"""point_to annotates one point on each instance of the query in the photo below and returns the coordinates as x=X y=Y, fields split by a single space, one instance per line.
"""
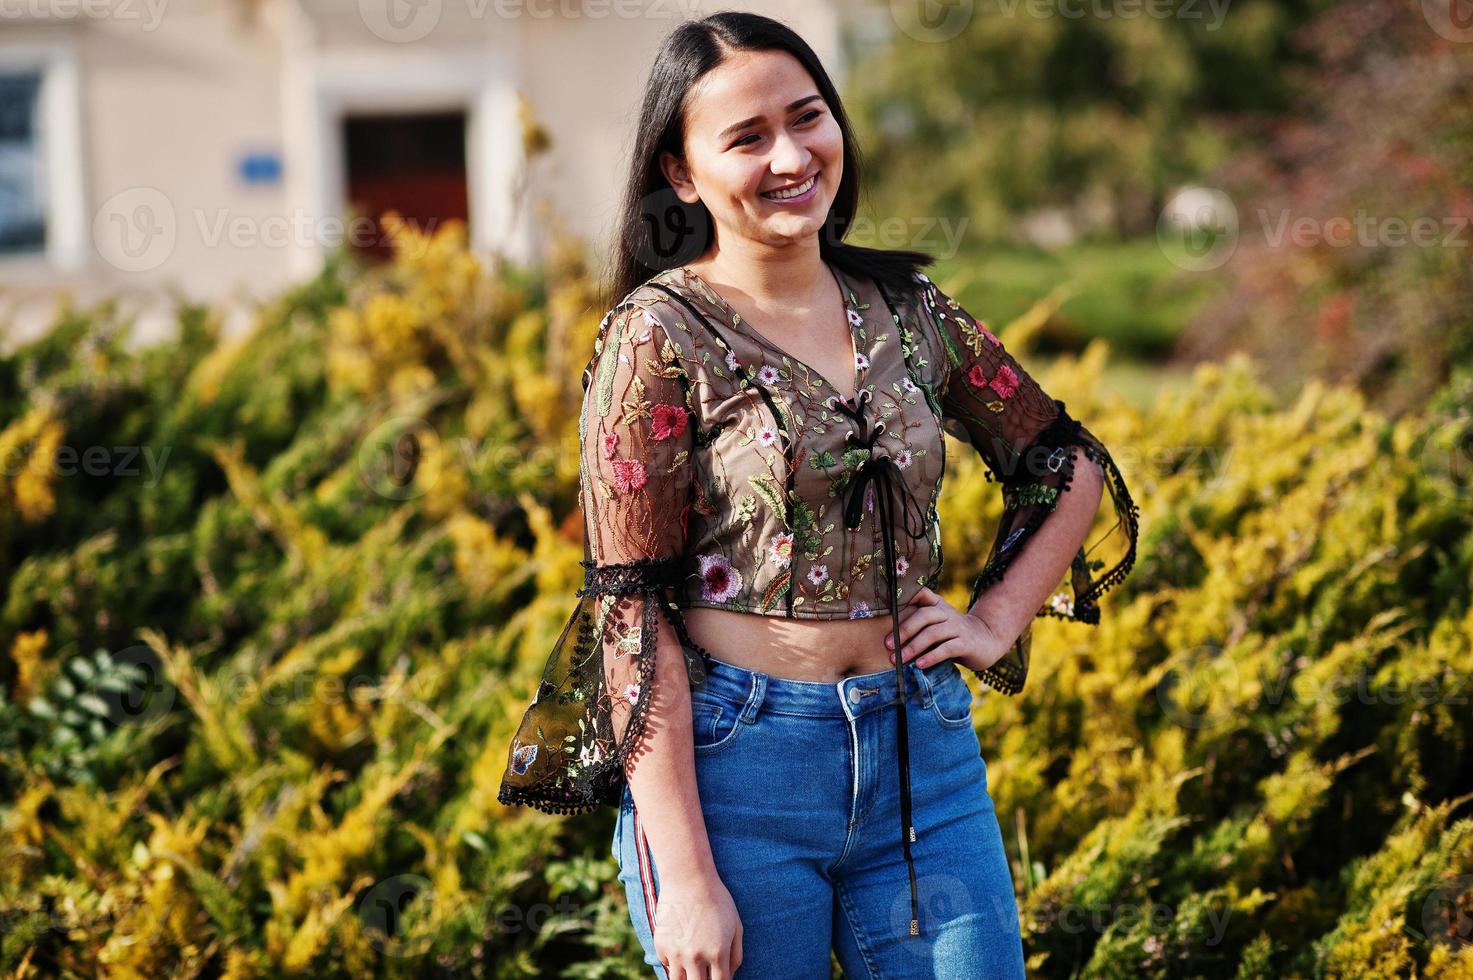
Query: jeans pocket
x=715 y=724
x=951 y=698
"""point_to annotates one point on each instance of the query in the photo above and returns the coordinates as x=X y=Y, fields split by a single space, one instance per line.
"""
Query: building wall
x=163 y=99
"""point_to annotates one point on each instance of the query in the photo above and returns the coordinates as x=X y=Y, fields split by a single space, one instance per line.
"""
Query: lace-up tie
x=880 y=470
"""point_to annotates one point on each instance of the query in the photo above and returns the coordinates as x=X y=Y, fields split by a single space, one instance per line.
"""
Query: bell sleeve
x=635 y=442
x=1028 y=441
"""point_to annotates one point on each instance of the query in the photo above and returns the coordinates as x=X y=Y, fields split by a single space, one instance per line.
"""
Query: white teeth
x=792 y=191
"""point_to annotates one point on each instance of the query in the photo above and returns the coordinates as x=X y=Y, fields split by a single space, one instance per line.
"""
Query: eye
x=811 y=114
x=743 y=140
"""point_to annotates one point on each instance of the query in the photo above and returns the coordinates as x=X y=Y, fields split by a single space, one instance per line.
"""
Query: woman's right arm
x=637 y=444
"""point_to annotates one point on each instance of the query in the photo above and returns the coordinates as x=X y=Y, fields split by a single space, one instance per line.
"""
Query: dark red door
x=410 y=163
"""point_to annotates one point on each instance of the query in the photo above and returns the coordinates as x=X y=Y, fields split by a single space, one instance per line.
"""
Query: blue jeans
x=801 y=797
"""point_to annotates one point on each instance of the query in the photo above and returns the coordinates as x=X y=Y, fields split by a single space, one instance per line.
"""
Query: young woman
x=762 y=454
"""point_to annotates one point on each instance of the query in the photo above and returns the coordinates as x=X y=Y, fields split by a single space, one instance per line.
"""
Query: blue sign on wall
x=259 y=167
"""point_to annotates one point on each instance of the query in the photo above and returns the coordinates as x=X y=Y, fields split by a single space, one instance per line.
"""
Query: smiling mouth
x=797 y=190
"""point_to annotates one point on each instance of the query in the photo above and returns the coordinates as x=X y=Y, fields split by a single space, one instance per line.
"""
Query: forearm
x=1009 y=605
x=662 y=779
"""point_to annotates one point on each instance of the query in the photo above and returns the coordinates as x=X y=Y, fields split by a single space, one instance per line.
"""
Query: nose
x=790 y=156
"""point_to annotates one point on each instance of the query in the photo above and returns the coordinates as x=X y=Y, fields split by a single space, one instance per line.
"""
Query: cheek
x=828 y=143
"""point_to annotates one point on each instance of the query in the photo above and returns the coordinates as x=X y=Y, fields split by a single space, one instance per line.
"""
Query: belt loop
x=754 y=699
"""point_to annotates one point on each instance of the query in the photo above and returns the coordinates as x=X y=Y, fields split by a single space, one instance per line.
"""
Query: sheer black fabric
x=589 y=712
x=1031 y=446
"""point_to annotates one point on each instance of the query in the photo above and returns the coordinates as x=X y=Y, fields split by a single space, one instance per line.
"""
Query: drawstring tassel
x=883 y=471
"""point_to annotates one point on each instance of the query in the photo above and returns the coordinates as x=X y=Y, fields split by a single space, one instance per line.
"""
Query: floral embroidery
x=629 y=475
x=1004 y=382
x=669 y=422
x=667 y=496
x=780 y=551
x=719 y=581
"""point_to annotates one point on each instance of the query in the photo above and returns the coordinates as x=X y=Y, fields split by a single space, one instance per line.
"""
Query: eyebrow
x=734 y=127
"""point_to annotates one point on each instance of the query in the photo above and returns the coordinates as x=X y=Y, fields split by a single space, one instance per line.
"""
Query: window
x=22 y=203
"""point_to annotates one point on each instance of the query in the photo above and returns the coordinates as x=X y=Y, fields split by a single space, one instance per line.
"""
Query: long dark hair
x=657 y=230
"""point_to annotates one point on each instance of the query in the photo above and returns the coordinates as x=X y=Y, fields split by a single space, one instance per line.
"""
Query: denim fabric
x=800 y=791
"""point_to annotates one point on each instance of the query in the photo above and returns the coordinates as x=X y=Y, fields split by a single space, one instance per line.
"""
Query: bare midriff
x=824 y=650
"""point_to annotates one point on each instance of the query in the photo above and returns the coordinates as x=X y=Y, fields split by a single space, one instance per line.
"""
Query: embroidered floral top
x=717 y=470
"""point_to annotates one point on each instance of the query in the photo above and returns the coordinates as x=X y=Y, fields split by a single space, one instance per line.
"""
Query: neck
x=767 y=278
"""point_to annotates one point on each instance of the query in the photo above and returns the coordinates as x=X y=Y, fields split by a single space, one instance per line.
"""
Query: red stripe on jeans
x=646 y=879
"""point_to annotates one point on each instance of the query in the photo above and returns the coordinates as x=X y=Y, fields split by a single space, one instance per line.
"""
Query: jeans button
x=854 y=695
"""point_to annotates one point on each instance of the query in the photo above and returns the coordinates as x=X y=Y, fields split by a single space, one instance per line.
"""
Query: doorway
x=412 y=163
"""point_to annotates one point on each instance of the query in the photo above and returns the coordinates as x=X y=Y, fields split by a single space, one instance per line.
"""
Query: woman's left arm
x=1054 y=475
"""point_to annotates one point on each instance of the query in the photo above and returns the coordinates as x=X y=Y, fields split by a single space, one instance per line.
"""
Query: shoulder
x=635 y=319
x=917 y=300
x=662 y=314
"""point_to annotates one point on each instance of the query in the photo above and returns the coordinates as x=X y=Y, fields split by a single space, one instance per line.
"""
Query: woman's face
x=755 y=125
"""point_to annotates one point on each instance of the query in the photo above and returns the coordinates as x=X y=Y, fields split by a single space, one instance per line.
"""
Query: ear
x=678 y=174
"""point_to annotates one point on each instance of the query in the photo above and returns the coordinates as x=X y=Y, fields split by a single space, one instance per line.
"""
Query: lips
x=796 y=190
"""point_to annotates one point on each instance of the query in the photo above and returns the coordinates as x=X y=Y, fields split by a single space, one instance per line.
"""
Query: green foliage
x=361 y=545
x=996 y=109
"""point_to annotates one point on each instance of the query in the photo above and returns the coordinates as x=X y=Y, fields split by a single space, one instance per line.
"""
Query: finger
x=736 y=952
x=925 y=597
x=912 y=625
x=949 y=650
x=933 y=635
